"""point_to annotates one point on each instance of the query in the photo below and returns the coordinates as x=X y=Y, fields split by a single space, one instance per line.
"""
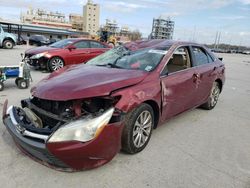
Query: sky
x=195 y=20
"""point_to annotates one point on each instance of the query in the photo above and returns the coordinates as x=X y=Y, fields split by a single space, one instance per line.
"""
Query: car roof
x=155 y=43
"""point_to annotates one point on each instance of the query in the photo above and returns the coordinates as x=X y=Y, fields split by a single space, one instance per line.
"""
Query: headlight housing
x=37 y=56
x=82 y=130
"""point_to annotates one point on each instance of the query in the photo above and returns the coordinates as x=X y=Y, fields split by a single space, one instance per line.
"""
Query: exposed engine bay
x=45 y=116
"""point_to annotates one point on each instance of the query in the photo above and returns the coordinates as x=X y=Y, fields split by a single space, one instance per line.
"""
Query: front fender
x=132 y=97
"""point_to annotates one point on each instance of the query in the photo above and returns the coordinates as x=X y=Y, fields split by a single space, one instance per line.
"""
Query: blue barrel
x=12 y=72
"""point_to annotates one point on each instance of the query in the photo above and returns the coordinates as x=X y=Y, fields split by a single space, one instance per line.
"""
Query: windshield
x=120 y=57
x=62 y=43
x=40 y=37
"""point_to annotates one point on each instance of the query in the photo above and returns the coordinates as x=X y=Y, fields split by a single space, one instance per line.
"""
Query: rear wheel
x=22 y=84
x=138 y=129
x=1 y=86
x=213 y=98
x=55 y=63
x=8 y=44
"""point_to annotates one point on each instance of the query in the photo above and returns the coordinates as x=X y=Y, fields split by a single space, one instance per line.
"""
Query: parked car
x=7 y=40
x=247 y=52
x=53 y=40
x=64 y=52
x=38 y=40
x=80 y=116
x=22 y=40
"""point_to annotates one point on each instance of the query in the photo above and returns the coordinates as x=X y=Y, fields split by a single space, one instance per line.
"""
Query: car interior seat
x=177 y=62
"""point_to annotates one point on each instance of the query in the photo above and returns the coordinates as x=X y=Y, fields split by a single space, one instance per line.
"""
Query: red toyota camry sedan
x=79 y=117
x=64 y=52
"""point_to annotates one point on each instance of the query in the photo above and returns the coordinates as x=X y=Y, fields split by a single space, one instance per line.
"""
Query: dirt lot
x=196 y=149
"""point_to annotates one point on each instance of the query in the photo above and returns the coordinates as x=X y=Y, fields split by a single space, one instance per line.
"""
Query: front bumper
x=38 y=63
x=70 y=155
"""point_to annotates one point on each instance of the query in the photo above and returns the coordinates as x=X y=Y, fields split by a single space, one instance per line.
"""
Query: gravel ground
x=196 y=149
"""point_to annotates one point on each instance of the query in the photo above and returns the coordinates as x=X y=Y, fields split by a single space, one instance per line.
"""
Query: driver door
x=178 y=84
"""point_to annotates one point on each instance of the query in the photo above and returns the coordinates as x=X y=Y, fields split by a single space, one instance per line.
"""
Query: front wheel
x=213 y=98
x=138 y=128
x=55 y=63
x=8 y=44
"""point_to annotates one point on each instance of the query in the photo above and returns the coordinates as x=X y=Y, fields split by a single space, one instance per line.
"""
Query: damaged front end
x=68 y=135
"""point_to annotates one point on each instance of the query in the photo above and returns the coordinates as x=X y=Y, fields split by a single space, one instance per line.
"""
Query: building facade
x=162 y=29
x=45 y=18
x=91 y=17
x=76 y=20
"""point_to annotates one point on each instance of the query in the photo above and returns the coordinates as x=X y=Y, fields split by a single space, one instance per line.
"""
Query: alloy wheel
x=56 y=64
x=215 y=95
x=142 y=129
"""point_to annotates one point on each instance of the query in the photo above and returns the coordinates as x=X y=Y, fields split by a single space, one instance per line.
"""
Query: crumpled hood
x=85 y=81
x=37 y=50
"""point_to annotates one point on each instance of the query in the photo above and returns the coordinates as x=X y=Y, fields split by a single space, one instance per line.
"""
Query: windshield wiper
x=111 y=65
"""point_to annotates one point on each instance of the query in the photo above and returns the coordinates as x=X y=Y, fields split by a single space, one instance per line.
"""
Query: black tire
x=22 y=84
x=8 y=44
x=213 y=98
x=16 y=81
x=55 y=63
x=1 y=86
x=130 y=129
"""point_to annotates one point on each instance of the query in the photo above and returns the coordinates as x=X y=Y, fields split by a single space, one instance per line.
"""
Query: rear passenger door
x=205 y=70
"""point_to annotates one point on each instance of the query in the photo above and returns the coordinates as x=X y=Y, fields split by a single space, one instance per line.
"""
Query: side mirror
x=220 y=58
x=71 y=47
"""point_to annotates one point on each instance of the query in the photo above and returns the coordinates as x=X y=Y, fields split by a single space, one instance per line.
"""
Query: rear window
x=200 y=55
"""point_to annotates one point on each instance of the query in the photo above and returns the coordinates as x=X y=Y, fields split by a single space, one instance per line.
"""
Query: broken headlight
x=82 y=130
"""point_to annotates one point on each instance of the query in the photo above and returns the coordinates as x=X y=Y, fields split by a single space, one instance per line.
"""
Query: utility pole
x=218 y=43
x=216 y=37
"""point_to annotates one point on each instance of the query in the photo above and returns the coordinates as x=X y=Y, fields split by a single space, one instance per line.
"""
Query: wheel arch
x=58 y=56
x=8 y=38
x=219 y=81
x=156 y=111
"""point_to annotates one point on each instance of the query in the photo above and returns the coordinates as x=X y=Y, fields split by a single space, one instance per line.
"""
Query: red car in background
x=64 y=52
x=80 y=116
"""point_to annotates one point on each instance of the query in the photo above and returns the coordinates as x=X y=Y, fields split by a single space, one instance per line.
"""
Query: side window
x=180 y=60
x=96 y=45
x=82 y=44
x=210 y=59
x=200 y=56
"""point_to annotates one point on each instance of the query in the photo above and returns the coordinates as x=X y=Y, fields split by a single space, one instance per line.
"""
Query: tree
x=135 y=35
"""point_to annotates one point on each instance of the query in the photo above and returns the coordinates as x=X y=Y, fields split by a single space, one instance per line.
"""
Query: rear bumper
x=70 y=155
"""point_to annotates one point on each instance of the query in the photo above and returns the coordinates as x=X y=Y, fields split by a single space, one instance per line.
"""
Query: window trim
x=166 y=64
x=82 y=41
x=103 y=46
